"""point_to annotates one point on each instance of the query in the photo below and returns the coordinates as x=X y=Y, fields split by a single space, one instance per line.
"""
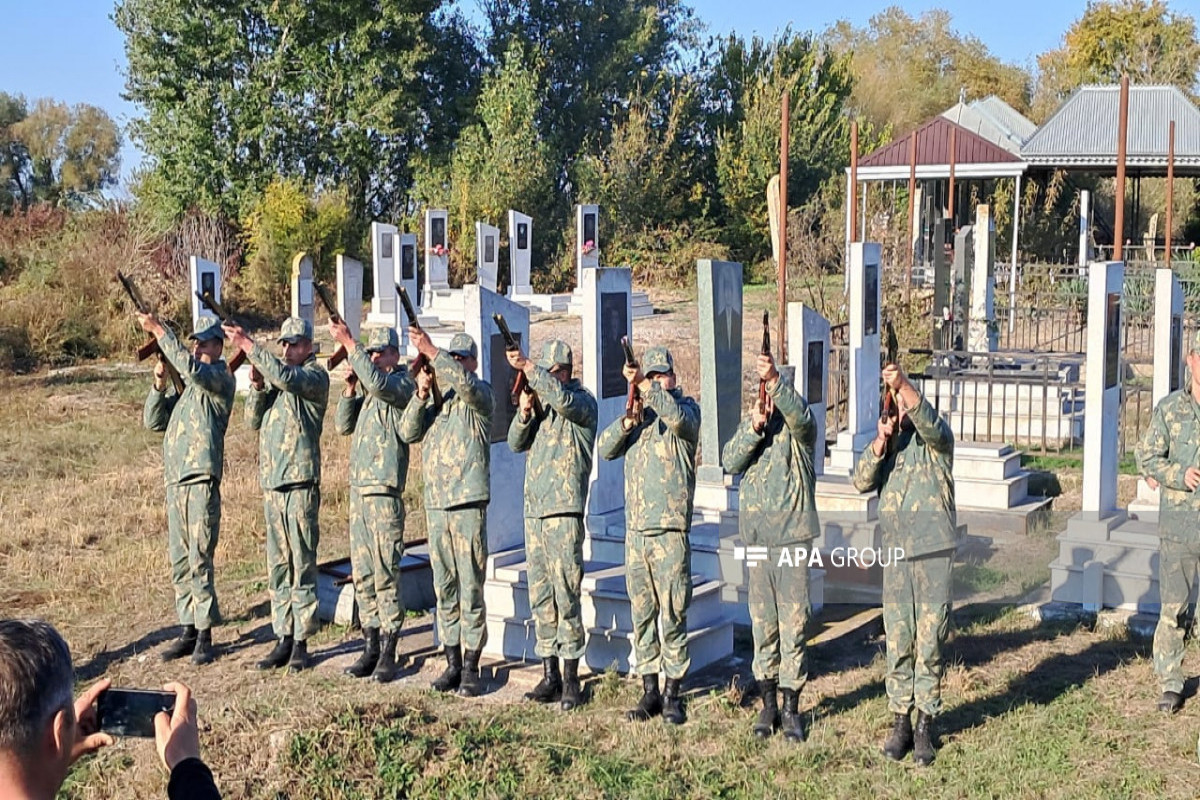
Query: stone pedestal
x=808 y=344
x=383 y=270
x=487 y=255
x=302 y=287
x=349 y=292
x=863 y=398
x=437 y=253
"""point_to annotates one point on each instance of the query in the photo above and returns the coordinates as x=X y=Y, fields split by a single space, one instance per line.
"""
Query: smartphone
x=131 y=712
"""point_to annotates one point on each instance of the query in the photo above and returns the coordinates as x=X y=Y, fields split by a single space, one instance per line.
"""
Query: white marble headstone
x=487 y=255
x=587 y=239
x=302 y=287
x=520 y=252
x=349 y=292
x=1085 y=227
x=982 y=334
x=1102 y=392
x=204 y=276
x=1169 y=345
x=383 y=259
x=865 y=326
x=506 y=510
x=808 y=344
x=437 y=253
x=719 y=286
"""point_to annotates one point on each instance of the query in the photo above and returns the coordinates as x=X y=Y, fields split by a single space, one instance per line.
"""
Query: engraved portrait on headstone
x=870 y=299
x=522 y=235
x=489 y=248
x=385 y=247
x=208 y=283
x=1112 y=340
x=1176 y=352
x=814 y=389
x=438 y=232
x=408 y=262
x=589 y=228
x=614 y=323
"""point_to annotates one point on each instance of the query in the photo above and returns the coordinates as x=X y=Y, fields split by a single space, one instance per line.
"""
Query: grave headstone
x=587 y=240
x=943 y=295
x=506 y=512
x=981 y=331
x=349 y=292
x=383 y=258
x=720 y=302
x=808 y=342
x=1102 y=394
x=964 y=269
x=437 y=254
x=864 y=346
x=406 y=273
x=204 y=276
x=1085 y=228
x=487 y=255
x=302 y=287
x=520 y=252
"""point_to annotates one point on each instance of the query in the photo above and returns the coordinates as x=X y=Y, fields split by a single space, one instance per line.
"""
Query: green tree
x=1140 y=38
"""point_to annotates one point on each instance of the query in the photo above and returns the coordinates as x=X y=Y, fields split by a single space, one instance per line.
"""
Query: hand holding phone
x=131 y=712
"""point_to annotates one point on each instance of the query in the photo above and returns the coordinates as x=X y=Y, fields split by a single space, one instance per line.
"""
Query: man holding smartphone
x=43 y=731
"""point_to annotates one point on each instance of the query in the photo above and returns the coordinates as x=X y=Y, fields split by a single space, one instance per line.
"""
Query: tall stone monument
x=981 y=331
x=437 y=253
x=349 y=292
x=863 y=398
x=383 y=259
x=406 y=266
x=1085 y=228
x=720 y=296
x=808 y=343
x=587 y=240
x=302 y=287
x=487 y=255
x=520 y=253
x=205 y=277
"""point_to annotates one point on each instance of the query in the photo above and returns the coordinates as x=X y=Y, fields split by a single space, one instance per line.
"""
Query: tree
x=55 y=153
x=907 y=69
x=1139 y=38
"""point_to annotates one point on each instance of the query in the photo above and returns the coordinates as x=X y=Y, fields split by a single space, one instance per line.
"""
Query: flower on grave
x=439 y=250
x=588 y=246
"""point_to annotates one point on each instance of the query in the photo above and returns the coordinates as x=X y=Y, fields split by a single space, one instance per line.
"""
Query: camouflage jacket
x=288 y=415
x=559 y=443
x=1170 y=445
x=196 y=421
x=456 y=456
x=916 y=485
x=776 y=500
x=660 y=461
x=378 y=456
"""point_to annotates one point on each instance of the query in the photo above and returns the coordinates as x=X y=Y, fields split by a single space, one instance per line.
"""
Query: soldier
x=916 y=513
x=1169 y=453
x=193 y=460
x=287 y=407
x=455 y=461
x=773 y=451
x=558 y=434
x=377 y=391
x=659 y=445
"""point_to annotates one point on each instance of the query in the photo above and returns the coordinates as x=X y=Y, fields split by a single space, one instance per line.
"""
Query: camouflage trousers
x=193 y=526
x=376 y=547
x=1177 y=564
x=778 y=600
x=458 y=554
x=292 y=537
x=554 y=550
x=658 y=578
x=916 y=620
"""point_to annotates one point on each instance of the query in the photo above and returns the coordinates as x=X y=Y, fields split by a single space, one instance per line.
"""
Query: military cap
x=463 y=345
x=294 y=329
x=657 y=359
x=556 y=353
x=381 y=339
x=207 y=328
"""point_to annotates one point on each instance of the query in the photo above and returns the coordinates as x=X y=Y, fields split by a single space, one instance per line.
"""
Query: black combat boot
x=1169 y=703
x=923 y=740
x=900 y=741
x=389 y=665
x=651 y=704
x=549 y=688
x=793 y=727
x=185 y=645
x=299 y=659
x=279 y=656
x=571 y=693
x=469 y=685
x=370 y=655
x=768 y=718
x=204 y=653
x=451 y=676
x=672 y=705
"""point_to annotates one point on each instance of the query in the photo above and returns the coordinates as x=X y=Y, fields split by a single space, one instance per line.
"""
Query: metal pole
x=854 y=180
x=1170 y=188
x=912 y=205
x=781 y=316
x=950 y=198
x=1012 y=273
x=1122 y=132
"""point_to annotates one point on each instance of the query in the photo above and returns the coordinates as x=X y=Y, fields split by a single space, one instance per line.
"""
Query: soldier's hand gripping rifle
x=340 y=354
x=766 y=351
x=520 y=383
x=888 y=403
x=210 y=302
x=635 y=394
x=420 y=362
x=150 y=348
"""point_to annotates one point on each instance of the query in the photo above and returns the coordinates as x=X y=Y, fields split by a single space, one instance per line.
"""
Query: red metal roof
x=933 y=148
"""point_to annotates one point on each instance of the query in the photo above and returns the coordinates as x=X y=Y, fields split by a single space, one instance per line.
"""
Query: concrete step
x=837 y=499
x=1117 y=588
x=985 y=461
x=1022 y=518
x=997 y=494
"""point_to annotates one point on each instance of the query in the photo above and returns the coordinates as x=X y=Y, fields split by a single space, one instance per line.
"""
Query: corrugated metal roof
x=933 y=148
x=1017 y=125
x=978 y=122
x=1083 y=132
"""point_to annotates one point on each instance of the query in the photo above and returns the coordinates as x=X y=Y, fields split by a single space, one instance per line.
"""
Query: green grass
x=1072 y=460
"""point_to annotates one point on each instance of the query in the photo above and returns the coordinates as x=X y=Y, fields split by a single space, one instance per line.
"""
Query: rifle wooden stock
x=634 y=394
x=766 y=351
x=150 y=348
x=340 y=354
x=420 y=363
x=511 y=345
x=889 y=407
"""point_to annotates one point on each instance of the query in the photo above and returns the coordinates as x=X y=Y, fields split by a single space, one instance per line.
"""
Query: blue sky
x=70 y=50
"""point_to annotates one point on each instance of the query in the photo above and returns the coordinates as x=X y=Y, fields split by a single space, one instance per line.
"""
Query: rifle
x=634 y=394
x=420 y=362
x=151 y=347
x=339 y=355
x=766 y=351
x=888 y=403
x=210 y=302
x=520 y=383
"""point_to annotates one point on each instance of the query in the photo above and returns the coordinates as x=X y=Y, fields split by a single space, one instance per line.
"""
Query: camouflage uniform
x=559 y=442
x=660 y=483
x=378 y=473
x=455 y=462
x=916 y=513
x=777 y=508
x=193 y=459
x=289 y=415
x=1170 y=445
